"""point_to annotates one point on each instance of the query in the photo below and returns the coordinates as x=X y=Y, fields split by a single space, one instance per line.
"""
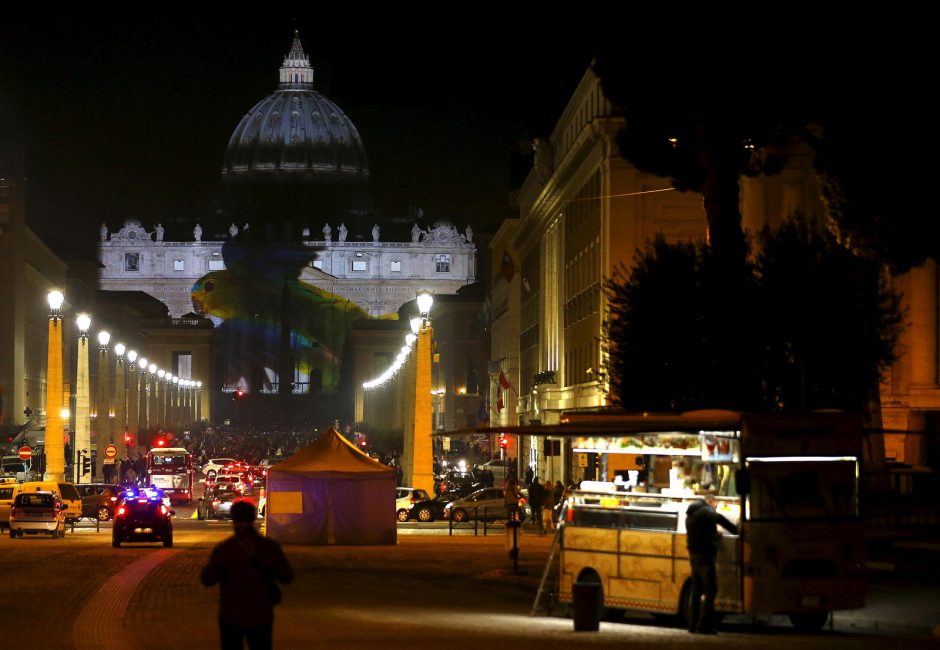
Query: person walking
x=703 y=540
x=536 y=501
x=247 y=568
x=548 y=510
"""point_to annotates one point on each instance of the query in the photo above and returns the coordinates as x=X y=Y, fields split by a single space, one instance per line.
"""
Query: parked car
x=37 y=512
x=99 y=500
x=457 y=482
x=142 y=518
x=404 y=497
x=65 y=491
x=499 y=467
x=487 y=503
x=428 y=510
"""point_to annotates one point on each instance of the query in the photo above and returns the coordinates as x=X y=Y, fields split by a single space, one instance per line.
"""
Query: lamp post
x=161 y=400
x=82 y=401
x=144 y=421
x=120 y=393
x=55 y=427
x=133 y=401
x=174 y=402
x=198 y=401
x=103 y=435
x=419 y=463
x=152 y=416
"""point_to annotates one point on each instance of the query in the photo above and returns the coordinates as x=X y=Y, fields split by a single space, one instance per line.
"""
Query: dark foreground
x=430 y=591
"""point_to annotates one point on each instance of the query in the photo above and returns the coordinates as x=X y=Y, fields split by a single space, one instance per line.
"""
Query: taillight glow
x=121 y=511
x=163 y=509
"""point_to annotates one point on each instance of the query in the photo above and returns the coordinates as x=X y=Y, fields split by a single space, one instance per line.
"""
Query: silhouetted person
x=536 y=501
x=703 y=540
x=247 y=567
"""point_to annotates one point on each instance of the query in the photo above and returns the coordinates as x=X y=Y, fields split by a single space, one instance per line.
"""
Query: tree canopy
x=816 y=327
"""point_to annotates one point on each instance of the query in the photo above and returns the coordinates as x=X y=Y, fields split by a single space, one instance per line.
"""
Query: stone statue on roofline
x=197 y=232
x=327 y=233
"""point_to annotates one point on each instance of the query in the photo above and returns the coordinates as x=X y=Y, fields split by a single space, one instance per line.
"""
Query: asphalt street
x=431 y=590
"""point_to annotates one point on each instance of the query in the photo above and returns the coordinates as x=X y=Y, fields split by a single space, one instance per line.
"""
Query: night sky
x=128 y=114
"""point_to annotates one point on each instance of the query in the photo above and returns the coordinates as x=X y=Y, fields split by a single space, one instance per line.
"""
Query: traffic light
x=238 y=395
x=503 y=441
x=86 y=465
x=129 y=439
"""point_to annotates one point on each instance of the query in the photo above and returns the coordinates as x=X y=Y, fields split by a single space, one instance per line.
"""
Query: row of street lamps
x=143 y=398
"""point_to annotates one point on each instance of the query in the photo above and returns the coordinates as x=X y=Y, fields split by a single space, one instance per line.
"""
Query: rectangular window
x=396 y=266
x=216 y=265
x=443 y=264
x=183 y=365
x=131 y=261
x=179 y=265
x=359 y=265
x=318 y=264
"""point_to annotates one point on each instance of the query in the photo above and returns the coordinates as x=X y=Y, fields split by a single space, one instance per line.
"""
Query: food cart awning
x=587 y=424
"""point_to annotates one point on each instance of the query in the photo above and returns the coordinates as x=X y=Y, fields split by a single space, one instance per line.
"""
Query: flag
x=503 y=381
x=499 y=401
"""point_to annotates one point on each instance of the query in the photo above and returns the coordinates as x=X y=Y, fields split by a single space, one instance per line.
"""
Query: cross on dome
x=296 y=72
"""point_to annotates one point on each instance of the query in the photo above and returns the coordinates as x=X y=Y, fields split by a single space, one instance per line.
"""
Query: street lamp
x=419 y=459
x=55 y=427
x=120 y=393
x=103 y=414
x=143 y=421
x=82 y=399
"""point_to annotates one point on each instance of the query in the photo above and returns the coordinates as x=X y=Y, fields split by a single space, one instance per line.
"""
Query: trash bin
x=587 y=603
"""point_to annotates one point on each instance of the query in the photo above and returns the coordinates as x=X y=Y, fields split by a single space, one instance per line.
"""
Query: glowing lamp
x=104 y=337
x=55 y=298
x=425 y=300
x=84 y=322
x=132 y=356
x=415 y=324
x=119 y=350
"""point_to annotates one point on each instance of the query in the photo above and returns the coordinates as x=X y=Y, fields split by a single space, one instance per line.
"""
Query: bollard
x=587 y=601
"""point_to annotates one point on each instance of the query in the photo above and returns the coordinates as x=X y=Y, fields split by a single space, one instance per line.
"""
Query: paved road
x=429 y=591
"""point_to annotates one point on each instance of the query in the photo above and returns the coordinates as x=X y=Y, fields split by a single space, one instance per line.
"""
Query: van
x=7 y=487
x=67 y=492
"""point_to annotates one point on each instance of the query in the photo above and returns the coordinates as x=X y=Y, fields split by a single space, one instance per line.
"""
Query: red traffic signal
x=128 y=439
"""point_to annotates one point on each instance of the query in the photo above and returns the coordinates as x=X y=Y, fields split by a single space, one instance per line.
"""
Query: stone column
x=923 y=304
x=55 y=427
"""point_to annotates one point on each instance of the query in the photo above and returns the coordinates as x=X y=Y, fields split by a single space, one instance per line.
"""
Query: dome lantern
x=296 y=72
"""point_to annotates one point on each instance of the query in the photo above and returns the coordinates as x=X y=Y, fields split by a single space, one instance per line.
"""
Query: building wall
x=133 y=260
x=29 y=271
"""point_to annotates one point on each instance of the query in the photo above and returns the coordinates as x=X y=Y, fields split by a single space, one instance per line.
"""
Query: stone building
x=584 y=210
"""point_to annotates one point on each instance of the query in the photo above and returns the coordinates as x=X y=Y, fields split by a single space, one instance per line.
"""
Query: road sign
x=26 y=452
x=110 y=451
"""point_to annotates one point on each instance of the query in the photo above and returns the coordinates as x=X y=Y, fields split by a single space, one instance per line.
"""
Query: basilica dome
x=295 y=134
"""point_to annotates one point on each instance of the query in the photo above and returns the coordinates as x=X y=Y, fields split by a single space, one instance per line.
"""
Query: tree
x=830 y=320
x=817 y=326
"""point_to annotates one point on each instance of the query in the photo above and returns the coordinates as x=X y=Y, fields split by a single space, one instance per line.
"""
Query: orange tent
x=331 y=493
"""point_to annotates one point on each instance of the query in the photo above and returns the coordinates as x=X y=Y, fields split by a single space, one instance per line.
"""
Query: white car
x=404 y=497
x=499 y=467
x=215 y=465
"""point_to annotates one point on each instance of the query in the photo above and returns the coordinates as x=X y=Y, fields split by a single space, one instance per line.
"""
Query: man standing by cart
x=703 y=540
